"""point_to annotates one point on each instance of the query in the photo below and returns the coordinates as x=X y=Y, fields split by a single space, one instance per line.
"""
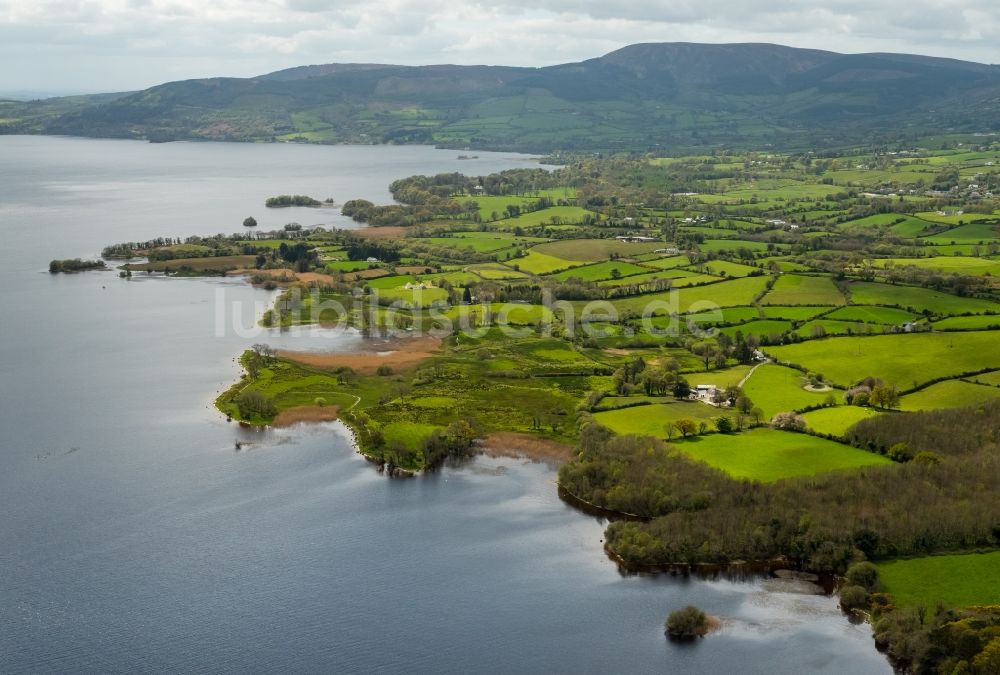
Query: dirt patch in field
x=400 y=354
x=285 y=273
x=366 y=274
x=306 y=413
x=412 y=269
x=382 y=232
x=514 y=444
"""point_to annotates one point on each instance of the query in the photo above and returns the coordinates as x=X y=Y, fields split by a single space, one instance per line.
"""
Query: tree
x=788 y=420
x=689 y=622
x=988 y=660
x=249 y=221
x=724 y=425
x=883 y=396
x=863 y=574
x=686 y=426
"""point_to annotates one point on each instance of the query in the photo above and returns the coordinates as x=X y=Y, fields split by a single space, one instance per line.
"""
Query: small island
x=282 y=201
x=75 y=265
x=689 y=623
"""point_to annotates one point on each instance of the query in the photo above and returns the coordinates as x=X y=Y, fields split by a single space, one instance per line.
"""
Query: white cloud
x=119 y=44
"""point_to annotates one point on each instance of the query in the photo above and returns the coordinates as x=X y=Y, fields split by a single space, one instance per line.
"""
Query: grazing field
x=536 y=262
x=554 y=215
x=796 y=289
x=992 y=379
x=821 y=327
x=982 y=322
x=949 y=394
x=729 y=315
x=652 y=420
x=729 y=377
x=768 y=455
x=837 y=420
x=763 y=327
x=592 y=250
x=604 y=270
x=947 y=264
x=971 y=233
x=667 y=263
x=918 y=299
x=887 y=315
x=793 y=313
x=734 y=293
x=725 y=268
x=903 y=359
x=776 y=389
x=969 y=580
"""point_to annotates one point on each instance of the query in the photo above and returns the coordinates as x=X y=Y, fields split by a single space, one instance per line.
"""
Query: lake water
x=135 y=538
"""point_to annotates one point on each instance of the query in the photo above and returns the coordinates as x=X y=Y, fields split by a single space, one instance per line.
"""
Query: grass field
x=592 y=250
x=949 y=394
x=776 y=389
x=537 y=262
x=768 y=455
x=601 y=271
x=947 y=263
x=903 y=359
x=796 y=289
x=793 y=313
x=918 y=299
x=725 y=268
x=957 y=580
x=989 y=321
x=837 y=420
x=651 y=420
x=886 y=315
x=765 y=327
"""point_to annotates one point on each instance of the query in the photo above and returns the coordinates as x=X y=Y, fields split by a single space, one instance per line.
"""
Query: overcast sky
x=113 y=45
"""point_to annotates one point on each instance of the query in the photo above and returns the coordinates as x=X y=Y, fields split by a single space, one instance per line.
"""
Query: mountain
x=671 y=95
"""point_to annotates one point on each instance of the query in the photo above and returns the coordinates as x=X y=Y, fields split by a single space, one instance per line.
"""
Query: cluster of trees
x=657 y=381
x=253 y=404
x=942 y=500
x=75 y=265
x=291 y=200
x=362 y=249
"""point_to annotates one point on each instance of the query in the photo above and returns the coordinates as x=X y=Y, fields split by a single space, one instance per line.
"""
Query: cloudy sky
x=108 y=45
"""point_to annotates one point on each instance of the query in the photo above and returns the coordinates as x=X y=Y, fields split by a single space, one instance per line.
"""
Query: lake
x=135 y=537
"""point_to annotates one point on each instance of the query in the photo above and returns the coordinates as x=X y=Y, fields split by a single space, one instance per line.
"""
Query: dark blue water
x=134 y=537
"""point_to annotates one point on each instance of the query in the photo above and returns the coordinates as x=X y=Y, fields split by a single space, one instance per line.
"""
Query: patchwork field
x=796 y=289
x=949 y=394
x=838 y=419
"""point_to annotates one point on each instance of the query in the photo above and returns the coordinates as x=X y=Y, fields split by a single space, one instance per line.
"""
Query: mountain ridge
x=639 y=97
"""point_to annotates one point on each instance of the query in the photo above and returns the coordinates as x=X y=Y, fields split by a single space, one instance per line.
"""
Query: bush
x=689 y=622
x=863 y=574
x=789 y=421
x=853 y=597
x=384 y=370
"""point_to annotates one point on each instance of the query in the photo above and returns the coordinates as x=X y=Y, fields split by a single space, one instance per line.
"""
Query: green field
x=918 y=299
x=652 y=420
x=837 y=420
x=796 y=289
x=762 y=327
x=947 y=263
x=793 y=313
x=949 y=394
x=983 y=322
x=903 y=359
x=768 y=455
x=593 y=250
x=886 y=315
x=776 y=389
x=600 y=271
x=957 y=580
x=537 y=262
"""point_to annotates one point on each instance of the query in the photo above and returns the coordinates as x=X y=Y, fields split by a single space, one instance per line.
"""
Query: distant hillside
x=671 y=95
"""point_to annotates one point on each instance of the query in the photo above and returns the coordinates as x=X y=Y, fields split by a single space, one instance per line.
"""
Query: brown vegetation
x=402 y=354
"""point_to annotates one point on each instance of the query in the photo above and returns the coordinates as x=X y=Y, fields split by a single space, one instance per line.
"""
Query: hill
x=671 y=95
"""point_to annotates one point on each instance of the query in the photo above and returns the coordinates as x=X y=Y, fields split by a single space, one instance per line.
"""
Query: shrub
x=689 y=622
x=384 y=370
x=863 y=574
x=789 y=421
x=853 y=597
